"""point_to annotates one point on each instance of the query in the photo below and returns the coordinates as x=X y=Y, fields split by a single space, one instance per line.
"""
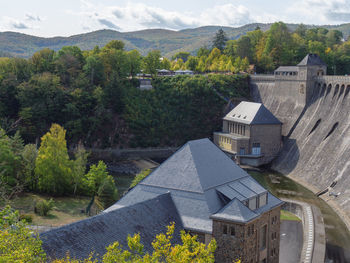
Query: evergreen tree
x=220 y=39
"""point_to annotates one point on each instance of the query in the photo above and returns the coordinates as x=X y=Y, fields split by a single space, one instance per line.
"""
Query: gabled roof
x=236 y=211
x=312 y=60
x=94 y=234
x=251 y=113
x=202 y=179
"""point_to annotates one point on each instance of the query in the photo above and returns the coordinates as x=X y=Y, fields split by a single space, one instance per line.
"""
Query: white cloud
x=9 y=23
x=322 y=11
x=138 y=16
x=30 y=17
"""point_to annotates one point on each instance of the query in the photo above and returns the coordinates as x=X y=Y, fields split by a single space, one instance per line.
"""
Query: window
x=232 y=231
x=262 y=200
x=256 y=150
x=252 y=203
x=263 y=236
x=224 y=230
x=242 y=151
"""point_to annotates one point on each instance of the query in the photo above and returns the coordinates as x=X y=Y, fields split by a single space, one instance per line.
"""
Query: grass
x=66 y=210
x=286 y=215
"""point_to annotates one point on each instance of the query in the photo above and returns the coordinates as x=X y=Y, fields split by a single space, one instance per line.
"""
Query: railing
x=262 y=77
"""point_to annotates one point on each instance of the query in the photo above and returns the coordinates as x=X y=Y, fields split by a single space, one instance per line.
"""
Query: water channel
x=337 y=235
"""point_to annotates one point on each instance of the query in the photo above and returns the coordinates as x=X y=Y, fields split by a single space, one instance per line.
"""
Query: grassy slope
x=67 y=209
x=167 y=41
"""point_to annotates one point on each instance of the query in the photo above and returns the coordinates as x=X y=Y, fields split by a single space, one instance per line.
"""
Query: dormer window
x=252 y=203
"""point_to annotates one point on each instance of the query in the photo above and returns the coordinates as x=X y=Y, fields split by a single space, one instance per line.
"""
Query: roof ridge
x=195 y=165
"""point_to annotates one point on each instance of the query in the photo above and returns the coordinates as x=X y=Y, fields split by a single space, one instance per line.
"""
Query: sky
x=47 y=18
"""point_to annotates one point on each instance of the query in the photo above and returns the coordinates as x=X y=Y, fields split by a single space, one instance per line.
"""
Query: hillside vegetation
x=167 y=41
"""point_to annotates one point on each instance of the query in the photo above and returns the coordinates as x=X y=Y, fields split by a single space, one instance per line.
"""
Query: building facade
x=250 y=134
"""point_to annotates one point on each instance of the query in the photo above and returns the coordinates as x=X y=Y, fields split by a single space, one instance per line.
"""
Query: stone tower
x=309 y=68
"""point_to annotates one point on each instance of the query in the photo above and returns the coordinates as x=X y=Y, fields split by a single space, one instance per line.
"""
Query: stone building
x=200 y=189
x=251 y=134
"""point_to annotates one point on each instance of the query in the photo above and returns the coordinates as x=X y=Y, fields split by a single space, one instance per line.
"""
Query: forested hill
x=167 y=41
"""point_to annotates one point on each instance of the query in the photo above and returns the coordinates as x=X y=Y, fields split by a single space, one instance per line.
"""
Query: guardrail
x=314 y=244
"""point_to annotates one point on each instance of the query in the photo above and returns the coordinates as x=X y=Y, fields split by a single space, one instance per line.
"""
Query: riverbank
x=328 y=199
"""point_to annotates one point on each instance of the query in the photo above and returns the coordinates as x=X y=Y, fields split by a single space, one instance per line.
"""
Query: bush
x=44 y=207
x=139 y=177
x=26 y=217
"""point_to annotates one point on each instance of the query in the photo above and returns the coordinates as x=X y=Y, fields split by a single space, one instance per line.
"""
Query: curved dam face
x=316 y=129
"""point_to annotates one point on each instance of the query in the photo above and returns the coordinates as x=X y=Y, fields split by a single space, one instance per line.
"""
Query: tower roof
x=251 y=113
x=312 y=60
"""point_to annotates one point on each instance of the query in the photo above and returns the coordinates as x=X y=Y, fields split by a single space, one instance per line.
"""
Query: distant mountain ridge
x=168 y=42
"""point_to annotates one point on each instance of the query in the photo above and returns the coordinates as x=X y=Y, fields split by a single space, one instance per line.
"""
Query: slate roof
x=148 y=218
x=288 y=68
x=251 y=113
x=196 y=184
x=312 y=60
x=235 y=210
x=198 y=176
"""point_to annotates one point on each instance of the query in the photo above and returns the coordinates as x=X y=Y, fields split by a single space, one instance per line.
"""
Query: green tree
x=115 y=44
x=244 y=47
x=43 y=61
x=220 y=40
x=96 y=175
x=166 y=64
x=151 y=63
x=52 y=166
x=135 y=62
x=29 y=155
x=107 y=192
x=192 y=63
x=42 y=102
x=139 y=177
x=94 y=70
x=78 y=170
x=163 y=251
x=182 y=54
x=278 y=44
x=17 y=242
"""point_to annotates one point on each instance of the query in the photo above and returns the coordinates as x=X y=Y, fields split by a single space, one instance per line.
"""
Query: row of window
x=236 y=128
x=225 y=140
x=286 y=73
x=229 y=230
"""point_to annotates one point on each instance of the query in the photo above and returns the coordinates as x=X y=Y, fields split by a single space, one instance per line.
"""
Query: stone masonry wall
x=246 y=244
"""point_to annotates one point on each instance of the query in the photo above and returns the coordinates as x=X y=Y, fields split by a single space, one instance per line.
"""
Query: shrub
x=44 y=207
x=139 y=177
x=26 y=217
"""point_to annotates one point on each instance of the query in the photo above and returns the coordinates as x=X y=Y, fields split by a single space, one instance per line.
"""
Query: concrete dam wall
x=316 y=146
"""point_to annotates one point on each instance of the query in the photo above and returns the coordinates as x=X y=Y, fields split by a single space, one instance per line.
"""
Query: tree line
x=268 y=50
x=50 y=170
